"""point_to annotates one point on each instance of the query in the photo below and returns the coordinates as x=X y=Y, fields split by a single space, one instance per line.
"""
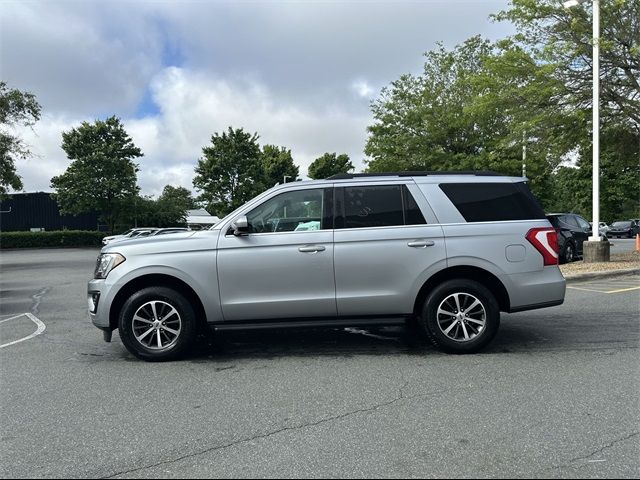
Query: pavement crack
x=373 y=408
x=570 y=463
x=36 y=300
x=604 y=447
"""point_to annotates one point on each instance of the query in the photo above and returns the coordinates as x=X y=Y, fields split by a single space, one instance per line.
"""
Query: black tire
x=569 y=253
x=140 y=302
x=435 y=328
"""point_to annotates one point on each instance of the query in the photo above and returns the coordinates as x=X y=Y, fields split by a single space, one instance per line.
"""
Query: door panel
x=266 y=276
x=376 y=268
x=284 y=267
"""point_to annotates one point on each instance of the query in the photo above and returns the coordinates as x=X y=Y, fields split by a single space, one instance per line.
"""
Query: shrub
x=61 y=238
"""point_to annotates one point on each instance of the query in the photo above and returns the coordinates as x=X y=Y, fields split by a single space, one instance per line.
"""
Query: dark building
x=24 y=211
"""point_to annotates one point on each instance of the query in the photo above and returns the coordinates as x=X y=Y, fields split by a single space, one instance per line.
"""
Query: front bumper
x=98 y=298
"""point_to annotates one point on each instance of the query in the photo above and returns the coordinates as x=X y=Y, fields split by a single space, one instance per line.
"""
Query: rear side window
x=376 y=206
x=583 y=223
x=412 y=213
x=491 y=202
x=570 y=220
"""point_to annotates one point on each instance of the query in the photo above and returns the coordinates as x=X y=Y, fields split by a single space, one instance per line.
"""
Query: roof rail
x=478 y=173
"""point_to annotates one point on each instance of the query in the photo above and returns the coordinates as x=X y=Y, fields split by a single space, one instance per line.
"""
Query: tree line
x=476 y=106
x=103 y=174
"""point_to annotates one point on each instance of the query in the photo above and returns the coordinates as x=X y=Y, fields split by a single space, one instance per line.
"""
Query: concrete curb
x=574 y=277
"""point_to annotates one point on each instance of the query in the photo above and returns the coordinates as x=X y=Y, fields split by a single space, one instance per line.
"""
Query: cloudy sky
x=300 y=74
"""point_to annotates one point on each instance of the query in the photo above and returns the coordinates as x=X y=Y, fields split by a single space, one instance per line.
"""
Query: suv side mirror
x=240 y=226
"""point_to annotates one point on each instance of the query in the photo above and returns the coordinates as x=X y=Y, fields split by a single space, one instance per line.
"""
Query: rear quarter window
x=490 y=202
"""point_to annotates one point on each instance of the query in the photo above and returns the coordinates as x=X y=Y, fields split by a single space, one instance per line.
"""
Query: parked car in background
x=572 y=230
x=165 y=231
x=131 y=233
x=604 y=228
x=624 y=229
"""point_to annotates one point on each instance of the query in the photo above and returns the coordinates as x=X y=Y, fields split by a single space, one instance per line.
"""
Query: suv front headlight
x=107 y=262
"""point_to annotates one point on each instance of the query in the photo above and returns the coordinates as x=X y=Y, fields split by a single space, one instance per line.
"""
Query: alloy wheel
x=461 y=317
x=157 y=325
x=568 y=254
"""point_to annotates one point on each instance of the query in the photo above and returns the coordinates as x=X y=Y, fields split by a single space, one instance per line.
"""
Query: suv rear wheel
x=157 y=324
x=569 y=254
x=460 y=316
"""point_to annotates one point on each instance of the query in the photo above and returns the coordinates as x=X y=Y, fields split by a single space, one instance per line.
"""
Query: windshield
x=621 y=224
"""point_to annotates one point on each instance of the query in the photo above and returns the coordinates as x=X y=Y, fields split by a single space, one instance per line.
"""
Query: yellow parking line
x=588 y=289
x=624 y=290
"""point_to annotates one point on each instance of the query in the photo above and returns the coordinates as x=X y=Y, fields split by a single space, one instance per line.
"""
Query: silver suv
x=451 y=251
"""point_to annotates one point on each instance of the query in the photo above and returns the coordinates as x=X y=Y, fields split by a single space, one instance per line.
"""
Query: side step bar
x=320 y=323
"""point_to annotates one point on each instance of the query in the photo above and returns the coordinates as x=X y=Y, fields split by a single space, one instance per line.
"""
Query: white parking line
x=41 y=328
x=12 y=318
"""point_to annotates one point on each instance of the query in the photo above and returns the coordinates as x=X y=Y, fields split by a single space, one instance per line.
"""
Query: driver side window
x=299 y=210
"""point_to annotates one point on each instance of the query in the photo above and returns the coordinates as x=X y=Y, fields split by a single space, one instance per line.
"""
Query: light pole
x=284 y=180
x=524 y=154
x=595 y=233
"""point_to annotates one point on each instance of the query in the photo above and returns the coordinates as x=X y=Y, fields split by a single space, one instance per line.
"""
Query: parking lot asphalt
x=555 y=395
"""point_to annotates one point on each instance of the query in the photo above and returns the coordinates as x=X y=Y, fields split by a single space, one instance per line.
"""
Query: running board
x=333 y=323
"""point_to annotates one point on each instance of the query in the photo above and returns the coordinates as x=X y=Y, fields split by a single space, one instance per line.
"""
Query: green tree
x=619 y=177
x=454 y=116
x=16 y=109
x=330 y=164
x=102 y=175
x=563 y=38
x=229 y=172
x=276 y=163
x=559 y=43
x=173 y=204
x=476 y=106
x=421 y=122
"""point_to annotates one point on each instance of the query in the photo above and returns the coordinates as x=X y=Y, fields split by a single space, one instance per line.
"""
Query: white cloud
x=300 y=74
x=192 y=107
x=363 y=89
x=48 y=159
x=75 y=60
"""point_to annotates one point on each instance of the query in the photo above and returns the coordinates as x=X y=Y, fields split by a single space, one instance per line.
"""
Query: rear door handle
x=312 y=249
x=421 y=243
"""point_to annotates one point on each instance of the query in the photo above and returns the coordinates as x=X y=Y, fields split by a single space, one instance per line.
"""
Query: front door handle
x=312 y=249
x=421 y=243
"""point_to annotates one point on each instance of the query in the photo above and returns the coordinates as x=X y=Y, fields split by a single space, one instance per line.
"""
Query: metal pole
x=524 y=154
x=596 y=121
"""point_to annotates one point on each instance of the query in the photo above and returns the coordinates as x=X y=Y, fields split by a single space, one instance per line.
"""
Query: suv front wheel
x=460 y=316
x=157 y=324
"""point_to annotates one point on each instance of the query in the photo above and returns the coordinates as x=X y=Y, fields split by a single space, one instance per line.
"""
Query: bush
x=61 y=238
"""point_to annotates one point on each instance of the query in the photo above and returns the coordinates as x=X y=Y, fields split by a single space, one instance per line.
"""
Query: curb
x=574 y=277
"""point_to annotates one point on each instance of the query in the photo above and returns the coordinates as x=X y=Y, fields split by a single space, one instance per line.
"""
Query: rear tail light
x=545 y=240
